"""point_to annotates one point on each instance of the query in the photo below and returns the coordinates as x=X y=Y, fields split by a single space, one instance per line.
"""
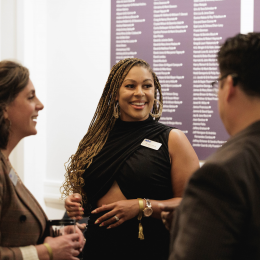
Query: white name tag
x=151 y=144
x=13 y=177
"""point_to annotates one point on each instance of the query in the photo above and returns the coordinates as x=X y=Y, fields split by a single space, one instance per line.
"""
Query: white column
x=247 y=16
x=32 y=52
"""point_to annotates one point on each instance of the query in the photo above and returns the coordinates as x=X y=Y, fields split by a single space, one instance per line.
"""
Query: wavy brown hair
x=101 y=125
x=13 y=79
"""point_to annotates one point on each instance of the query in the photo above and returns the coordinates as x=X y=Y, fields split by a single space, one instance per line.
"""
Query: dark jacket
x=219 y=217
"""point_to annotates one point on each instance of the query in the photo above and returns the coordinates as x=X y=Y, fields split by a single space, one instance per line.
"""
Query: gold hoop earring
x=160 y=109
x=8 y=122
x=116 y=110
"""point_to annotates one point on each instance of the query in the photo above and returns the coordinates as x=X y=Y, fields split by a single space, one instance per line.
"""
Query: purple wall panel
x=131 y=30
x=179 y=39
x=257 y=16
x=215 y=21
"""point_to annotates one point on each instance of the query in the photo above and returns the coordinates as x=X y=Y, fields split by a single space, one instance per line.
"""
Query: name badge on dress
x=13 y=177
x=151 y=144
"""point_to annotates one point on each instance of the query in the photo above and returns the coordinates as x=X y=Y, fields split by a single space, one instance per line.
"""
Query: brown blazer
x=22 y=220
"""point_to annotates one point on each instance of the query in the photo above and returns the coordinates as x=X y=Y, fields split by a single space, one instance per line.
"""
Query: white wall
x=66 y=46
x=78 y=65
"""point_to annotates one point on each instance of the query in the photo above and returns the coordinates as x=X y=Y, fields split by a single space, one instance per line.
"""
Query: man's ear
x=231 y=88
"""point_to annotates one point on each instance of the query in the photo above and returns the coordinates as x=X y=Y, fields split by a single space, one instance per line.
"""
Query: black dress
x=140 y=172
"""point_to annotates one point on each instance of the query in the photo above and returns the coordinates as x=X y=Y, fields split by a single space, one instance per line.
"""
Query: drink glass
x=60 y=227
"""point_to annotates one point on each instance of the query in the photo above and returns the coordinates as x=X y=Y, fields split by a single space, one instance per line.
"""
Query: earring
x=8 y=123
x=116 y=110
x=160 y=109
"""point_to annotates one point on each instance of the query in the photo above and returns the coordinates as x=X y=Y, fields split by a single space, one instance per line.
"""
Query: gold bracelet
x=140 y=215
x=49 y=250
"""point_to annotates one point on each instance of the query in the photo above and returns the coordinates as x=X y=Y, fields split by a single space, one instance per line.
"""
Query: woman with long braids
x=126 y=164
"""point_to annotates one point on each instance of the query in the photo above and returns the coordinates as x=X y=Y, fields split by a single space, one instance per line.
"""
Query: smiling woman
x=23 y=112
x=127 y=164
x=136 y=95
x=23 y=223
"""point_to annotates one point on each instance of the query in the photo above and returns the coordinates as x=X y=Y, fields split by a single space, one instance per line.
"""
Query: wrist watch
x=148 y=211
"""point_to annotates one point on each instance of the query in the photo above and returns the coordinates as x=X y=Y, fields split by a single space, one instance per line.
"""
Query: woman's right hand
x=65 y=247
x=73 y=206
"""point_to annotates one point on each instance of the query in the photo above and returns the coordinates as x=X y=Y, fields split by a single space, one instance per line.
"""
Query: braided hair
x=101 y=125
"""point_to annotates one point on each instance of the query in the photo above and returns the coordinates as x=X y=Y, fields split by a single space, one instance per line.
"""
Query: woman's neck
x=12 y=142
x=5 y=154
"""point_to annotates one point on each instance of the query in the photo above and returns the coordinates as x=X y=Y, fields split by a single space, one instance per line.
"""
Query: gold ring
x=68 y=213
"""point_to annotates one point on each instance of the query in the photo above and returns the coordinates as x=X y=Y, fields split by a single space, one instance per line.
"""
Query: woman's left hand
x=119 y=212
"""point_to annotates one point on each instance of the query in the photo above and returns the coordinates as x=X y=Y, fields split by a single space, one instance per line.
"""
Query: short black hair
x=241 y=55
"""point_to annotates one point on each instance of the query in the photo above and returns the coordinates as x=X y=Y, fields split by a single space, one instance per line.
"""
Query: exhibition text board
x=180 y=40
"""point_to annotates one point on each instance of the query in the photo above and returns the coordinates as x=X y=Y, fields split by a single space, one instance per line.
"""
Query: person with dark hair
x=219 y=216
x=23 y=223
x=125 y=165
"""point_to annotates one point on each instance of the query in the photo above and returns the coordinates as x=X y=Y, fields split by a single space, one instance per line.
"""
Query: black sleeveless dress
x=141 y=173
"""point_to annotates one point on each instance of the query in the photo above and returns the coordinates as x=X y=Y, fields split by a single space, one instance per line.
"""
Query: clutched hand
x=66 y=246
x=82 y=226
x=119 y=212
x=167 y=213
x=73 y=206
